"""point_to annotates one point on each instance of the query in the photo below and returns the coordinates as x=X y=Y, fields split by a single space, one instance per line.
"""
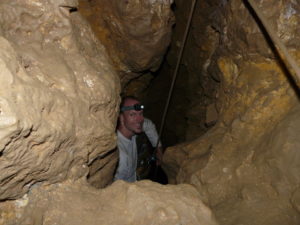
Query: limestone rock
x=121 y=203
x=246 y=166
x=59 y=96
x=211 y=115
x=135 y=33
x=198 y=78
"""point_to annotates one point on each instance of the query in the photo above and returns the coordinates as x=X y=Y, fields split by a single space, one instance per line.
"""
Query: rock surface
x=136 y=33
x=246 y=166
x=123 y=203
x=59 y=102
x=58 y=108
x=59 y=97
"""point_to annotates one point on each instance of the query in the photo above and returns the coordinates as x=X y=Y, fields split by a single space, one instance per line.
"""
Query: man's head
x=131 y=117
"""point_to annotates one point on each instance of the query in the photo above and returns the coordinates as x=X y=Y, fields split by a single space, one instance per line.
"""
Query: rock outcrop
x=246 y=166
x=59 y=97
x=123 y=203
x=136 y=33
x=58 y=109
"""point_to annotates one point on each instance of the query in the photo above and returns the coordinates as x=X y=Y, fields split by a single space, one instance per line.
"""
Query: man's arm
x=122 y=168
x=150 y=130
x=127 y=159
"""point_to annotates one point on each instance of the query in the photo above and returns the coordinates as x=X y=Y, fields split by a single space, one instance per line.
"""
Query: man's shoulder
x=147 y=122
x=123 y=141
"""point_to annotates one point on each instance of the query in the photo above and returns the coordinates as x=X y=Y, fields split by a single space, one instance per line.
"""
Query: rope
x=287 y=57
x=176 y=70
x=271 y=33
x=268 y=28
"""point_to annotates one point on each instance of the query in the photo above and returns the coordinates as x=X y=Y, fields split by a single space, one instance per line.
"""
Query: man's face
x=132 y=120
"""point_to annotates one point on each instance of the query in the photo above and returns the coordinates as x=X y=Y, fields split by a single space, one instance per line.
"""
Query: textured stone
x=198 y=78
x=246 y=166
x=59 y=96
x=121 y=203
x=136 y=33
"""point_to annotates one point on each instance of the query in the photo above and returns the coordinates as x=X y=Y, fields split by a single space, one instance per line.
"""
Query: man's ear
x=121 y=118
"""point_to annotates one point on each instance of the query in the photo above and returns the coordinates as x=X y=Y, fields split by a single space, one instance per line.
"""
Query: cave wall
x=245 y=167
x=59 y=97
x=59 y=102
x=75 y=203
x=136 y=34
x=196 y=88
x=58 y=108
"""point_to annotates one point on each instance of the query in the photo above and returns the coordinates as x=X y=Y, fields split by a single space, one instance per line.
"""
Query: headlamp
x=136 y=107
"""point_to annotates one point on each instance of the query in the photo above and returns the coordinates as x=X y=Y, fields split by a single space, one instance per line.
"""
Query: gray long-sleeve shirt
x=128 y=152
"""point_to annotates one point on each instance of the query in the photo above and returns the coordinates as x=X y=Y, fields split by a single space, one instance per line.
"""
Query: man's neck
x=126 y=133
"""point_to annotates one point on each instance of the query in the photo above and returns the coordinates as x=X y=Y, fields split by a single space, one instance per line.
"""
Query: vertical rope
x=176 y=70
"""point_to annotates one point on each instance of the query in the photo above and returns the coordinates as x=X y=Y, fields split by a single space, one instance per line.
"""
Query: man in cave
x=131 y=124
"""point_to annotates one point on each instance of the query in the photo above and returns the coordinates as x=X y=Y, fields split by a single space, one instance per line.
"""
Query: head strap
x=136 y=107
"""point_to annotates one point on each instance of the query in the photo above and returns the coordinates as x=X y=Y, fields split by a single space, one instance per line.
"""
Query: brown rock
x=135 y=33
x=246 y=167
x=59 y=96
x=122 y=203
